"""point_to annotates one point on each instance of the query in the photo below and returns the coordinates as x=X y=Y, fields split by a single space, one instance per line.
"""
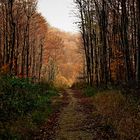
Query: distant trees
x=61 y=60
x=30 y=48
x=53 y=52
x=22 y=37
x=111 y=33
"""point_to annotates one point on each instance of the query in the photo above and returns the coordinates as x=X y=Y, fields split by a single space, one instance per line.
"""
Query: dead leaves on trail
x=48 y=130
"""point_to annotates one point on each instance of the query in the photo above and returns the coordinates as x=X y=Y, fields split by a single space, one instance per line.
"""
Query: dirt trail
x=77 y=119
x=71 y=121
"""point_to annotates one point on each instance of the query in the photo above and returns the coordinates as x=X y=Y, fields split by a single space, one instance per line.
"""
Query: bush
x=91 y=91
x=20 y=100
x=122 y=113
x=109 y=102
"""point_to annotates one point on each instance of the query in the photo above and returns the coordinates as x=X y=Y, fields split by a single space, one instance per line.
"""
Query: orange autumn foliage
x=5 y=69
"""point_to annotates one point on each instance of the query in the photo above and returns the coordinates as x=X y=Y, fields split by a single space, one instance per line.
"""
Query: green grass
x=90 y=91
x=23 y=106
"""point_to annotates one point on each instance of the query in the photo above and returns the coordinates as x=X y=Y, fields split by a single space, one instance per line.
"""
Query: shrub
x=122 y=113
x=90 y=91
x=22 y=102
x=109 y=102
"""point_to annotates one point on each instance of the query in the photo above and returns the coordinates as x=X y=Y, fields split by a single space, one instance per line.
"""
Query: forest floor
x=76 y=120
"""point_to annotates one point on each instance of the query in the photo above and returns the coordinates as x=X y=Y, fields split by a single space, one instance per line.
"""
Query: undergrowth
x=123 y=113
x=23 y=106
x=90 y=91
x=121 y=108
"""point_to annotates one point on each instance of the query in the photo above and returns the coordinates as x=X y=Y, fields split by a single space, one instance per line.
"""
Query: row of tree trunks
x=21 y=37
x=111 y=39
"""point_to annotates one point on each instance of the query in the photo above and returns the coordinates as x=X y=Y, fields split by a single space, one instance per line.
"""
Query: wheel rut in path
x=71 y=120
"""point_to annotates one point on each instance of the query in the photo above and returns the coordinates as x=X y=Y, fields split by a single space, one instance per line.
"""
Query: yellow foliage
x=61 y=81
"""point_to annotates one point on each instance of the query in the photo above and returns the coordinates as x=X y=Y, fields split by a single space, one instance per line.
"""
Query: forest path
x=77 y=119
x=71 y=121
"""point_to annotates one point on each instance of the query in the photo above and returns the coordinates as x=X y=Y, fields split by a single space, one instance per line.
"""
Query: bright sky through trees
x=58 y=13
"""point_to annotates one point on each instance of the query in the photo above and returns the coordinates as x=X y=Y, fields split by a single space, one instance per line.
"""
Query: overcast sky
x=58 y=13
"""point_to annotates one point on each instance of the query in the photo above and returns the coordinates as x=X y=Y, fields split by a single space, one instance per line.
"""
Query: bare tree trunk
x=138 y=41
